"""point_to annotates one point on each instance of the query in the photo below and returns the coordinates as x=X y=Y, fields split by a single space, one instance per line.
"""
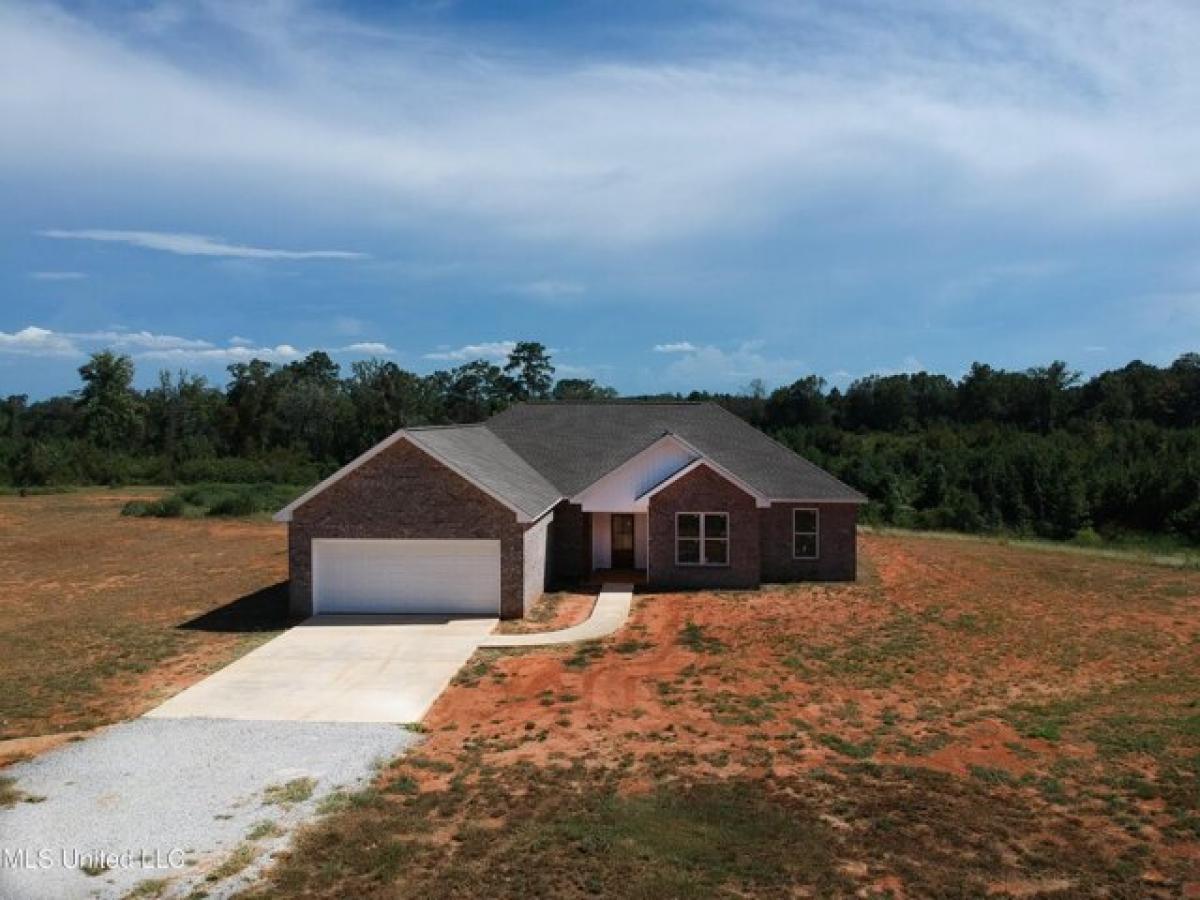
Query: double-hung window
x=702 y=539
x=805 y=541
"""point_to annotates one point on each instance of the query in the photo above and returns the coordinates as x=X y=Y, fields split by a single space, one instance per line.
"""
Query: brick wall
x=403 y=492
x=838 y=530
x=703 y=490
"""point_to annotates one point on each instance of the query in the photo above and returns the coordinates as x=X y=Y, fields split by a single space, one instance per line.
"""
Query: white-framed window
x=702 y=539
x=806 y=527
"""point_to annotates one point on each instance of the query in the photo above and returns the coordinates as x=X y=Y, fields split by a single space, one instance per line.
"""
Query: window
x=804 y=534
x=702 y=539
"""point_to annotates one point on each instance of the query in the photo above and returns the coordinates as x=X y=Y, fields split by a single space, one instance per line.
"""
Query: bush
x=239 y=504
x=169 y=507
x=1087 y=537
x=216 y=500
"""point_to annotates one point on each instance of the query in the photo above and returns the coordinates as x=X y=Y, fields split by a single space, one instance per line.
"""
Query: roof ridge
x=443 y=427
x=613 y=401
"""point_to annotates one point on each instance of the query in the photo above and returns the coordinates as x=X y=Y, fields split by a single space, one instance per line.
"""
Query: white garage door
x=386 y=576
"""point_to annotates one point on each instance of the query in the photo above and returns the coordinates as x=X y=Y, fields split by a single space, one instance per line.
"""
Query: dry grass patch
x=95 y=607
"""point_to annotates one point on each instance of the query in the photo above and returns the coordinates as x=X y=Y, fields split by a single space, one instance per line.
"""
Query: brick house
x=482 y=519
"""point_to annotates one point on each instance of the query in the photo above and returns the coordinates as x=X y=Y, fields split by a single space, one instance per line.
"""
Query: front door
x=622 y=541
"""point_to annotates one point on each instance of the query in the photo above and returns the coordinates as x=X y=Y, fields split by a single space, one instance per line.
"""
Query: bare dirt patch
x=968 y=718
x=103 y=616
x=553 y=612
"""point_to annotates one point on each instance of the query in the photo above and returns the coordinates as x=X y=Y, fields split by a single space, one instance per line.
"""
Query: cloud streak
x=191 y=244
x=35 y=341
x=728 y=368
x=1021 y=106
x=676 y=347
x=494 y=350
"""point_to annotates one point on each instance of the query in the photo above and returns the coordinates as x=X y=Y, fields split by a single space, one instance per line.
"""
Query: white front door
x=352 y=575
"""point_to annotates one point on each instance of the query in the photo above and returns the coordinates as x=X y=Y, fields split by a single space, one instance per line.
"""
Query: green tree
x=476 y=390
x=12 y=409
x=581 y=389
x=530 y=371
x=386 y=397
x=800 y=403
x=251 y=394
x=111 y=413
x=183 y=417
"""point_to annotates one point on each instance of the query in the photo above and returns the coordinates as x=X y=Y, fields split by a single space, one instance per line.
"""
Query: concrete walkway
x=609 y=614
x=338 y=669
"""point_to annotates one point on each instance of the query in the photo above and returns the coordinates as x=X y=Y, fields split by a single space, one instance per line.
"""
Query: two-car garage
x=406 y=577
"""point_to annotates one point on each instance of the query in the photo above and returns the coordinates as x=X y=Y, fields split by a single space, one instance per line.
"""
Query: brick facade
x=404 y=493
x=838 y=536
x=703 y=490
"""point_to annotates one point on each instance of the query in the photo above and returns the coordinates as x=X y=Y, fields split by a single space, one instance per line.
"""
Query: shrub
x=216 y=500
x=170 y=507
x=242 y=503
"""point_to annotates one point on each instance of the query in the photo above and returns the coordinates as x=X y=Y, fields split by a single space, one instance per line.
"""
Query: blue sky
x=678 y=196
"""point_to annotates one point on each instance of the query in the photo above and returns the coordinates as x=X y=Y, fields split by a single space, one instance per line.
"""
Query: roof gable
x=575 y=444
x=702 y=462
x=472 y=452
x=620 y=489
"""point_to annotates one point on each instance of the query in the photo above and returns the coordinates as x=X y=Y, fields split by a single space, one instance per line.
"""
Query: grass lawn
x=969 y=719
x=102 y=616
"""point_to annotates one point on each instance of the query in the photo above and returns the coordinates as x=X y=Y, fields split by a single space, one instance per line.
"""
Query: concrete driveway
x=338 y=669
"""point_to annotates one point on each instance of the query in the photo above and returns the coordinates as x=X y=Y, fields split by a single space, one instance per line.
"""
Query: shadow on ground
x=263 y=610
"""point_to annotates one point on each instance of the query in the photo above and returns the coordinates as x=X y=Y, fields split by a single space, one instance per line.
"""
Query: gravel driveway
x=175 y=799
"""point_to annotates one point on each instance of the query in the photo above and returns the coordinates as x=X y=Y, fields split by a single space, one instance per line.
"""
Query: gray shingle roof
x=573 y=444
x=480 y=455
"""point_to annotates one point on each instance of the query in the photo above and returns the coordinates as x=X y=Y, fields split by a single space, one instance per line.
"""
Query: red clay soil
x=1037 y=674
x=552 y=612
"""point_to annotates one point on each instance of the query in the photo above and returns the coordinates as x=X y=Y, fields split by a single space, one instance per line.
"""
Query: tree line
x=1039 y=451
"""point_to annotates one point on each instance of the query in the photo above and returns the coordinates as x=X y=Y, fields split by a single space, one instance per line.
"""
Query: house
x=482 y=519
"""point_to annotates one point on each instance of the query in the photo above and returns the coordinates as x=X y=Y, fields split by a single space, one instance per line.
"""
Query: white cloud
x=716 y=368
x=191 y=244
x=676 y=347
x=34 y=341
x=57 y=276
x=1076 y=111
x=839 y=377
x=278 y=353
x=145 y=345
x=374 y=347
x=138 y=340
x=488 y=350
x=550 y=289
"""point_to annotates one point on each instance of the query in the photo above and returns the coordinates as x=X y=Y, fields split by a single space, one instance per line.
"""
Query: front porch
x=620 y=543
